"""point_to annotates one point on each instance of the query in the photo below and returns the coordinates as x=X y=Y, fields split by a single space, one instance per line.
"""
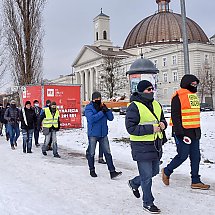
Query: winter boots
x=115 y=174
x=93 y=173
x=135 y=191
x=57 y=156
x=102 y=161
x=152 y=209
x=200 y=186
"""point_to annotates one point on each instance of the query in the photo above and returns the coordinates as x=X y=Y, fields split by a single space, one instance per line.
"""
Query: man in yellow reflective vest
x=51 y=124
x=185 y=122
x=145 y=122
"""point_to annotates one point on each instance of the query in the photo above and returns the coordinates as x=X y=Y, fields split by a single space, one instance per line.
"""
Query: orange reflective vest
x=190 y=109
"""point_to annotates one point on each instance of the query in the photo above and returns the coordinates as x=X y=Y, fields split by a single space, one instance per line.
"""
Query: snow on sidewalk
x=33 y=184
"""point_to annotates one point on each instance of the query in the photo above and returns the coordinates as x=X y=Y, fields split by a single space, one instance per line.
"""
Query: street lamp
x=185 y=40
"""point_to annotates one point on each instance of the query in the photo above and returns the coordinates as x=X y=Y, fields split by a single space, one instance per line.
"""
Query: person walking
x=185 y=122
x=37 y=109
x=97 y=115
x=145 y=122
x=1 y=119
x=12 y=116
x=6 y=122
x=48 y=104
x=50 y=119
x=28 y=122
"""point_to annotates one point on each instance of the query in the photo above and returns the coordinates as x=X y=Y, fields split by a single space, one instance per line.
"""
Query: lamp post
x=185 y=40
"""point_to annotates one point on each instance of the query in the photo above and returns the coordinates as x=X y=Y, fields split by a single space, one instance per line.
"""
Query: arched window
x=104 y=35
x=97 y=36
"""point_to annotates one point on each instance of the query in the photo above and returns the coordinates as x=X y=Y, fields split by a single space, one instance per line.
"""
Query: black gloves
x=12 y=120
x=104 y=108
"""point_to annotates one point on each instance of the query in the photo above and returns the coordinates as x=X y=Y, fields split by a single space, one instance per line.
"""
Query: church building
x=159 y=38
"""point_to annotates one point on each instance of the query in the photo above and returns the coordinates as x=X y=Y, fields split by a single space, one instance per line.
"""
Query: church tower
x=102 y=30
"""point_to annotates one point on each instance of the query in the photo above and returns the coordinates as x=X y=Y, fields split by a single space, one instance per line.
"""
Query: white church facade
x=159 y=38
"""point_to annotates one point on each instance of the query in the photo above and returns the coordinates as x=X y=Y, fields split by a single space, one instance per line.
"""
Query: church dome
x=163 y=27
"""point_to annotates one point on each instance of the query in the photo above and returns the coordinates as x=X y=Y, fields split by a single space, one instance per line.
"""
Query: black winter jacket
x=11 y=115
x=147 y=150
x=30 y=117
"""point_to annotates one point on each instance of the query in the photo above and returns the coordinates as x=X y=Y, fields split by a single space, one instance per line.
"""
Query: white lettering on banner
x=69 y=110
x=63 y=116
x=50 y=92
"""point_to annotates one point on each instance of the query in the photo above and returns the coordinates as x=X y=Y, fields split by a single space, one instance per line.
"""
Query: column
x=86 y=73
x=91 y=81
x=82 y=85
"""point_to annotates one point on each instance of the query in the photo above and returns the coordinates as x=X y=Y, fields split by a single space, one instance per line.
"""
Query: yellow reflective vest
x=50 y=120
x=147 y=118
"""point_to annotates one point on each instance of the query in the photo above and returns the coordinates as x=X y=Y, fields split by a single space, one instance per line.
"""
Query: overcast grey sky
x=68 y=25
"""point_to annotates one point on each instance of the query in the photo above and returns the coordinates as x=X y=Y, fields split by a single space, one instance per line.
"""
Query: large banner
x=68 y=102
x=67 y=98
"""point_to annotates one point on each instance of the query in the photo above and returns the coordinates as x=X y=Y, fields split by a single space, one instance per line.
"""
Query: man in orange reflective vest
x=185 y=122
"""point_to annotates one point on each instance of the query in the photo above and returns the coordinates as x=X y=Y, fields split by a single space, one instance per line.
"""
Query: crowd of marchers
x=145 y=123
x=31 y=120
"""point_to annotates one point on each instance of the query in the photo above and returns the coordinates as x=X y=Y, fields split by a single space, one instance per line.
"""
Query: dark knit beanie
x=27 y=103
x=48 y=102
x=96 y=95
x=142 y=85
x=53 y=103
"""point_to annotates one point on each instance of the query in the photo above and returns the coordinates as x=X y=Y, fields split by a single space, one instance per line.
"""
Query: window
x=174 y=60
x=164 y=61
x=175 y=75
x=155 y=63
x=165 y=79
x=104 y=35
x=97 y=35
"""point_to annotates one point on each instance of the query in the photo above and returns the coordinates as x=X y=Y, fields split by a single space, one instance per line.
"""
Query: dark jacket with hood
x=147 y=150
x=178 y=130
x=30 y=117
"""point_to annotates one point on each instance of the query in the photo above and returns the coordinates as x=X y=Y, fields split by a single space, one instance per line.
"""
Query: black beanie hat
x=27 y=103
x=48 y=102
x=53 y=103
x=142 y=85
x=96 y=95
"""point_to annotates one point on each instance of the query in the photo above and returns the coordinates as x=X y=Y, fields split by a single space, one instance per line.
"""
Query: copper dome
x=163 y=27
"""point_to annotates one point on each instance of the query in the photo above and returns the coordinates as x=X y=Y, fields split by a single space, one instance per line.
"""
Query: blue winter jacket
x=97 y=121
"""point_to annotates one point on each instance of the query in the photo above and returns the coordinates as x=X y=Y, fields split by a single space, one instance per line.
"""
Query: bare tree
x=112 y=78
x=207 y=81
x=23 y=32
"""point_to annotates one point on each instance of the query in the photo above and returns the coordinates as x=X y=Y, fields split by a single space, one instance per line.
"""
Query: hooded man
x=12 y=116
x=144 y=122
x=185 y=122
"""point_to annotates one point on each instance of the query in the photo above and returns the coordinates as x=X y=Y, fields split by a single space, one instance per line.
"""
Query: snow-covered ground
x=32 y=184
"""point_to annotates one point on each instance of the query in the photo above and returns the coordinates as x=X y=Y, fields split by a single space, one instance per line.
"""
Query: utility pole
x=185 y=40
